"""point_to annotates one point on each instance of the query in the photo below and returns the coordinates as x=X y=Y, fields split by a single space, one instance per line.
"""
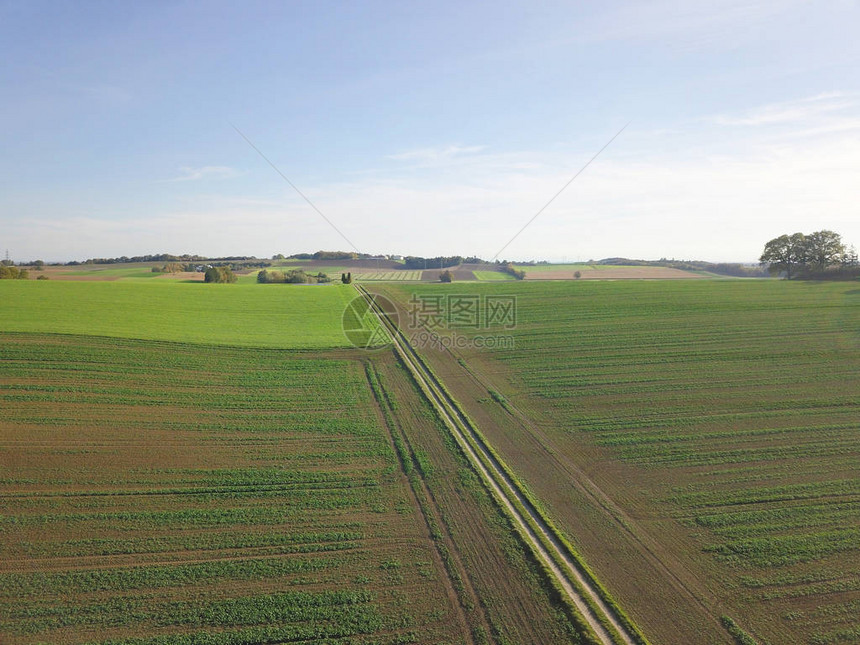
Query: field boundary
x=459 y=584
x=592 y=608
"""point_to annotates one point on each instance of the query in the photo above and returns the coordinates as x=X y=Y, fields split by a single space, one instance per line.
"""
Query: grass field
x=722 y=419
x=127 y=272
x=284 y=316
x=493 y=275
x=180 y=493
x=202 y=486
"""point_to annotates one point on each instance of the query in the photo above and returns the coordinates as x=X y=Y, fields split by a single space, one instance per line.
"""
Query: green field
x=124 y=273
x=493 y=275
x=254 y=315
x=165 y=493
x=244 y=480
x=723 y=418
x=170 y=465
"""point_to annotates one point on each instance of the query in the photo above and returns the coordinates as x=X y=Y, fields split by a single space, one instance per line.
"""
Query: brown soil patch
x=183 y=275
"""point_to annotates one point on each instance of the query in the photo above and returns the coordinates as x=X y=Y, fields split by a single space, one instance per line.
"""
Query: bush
x=446 y=276
x=8 y=272
x=43 y=277
x=268 y=277
x=510 y=269
x=293 y=276
x=296 y=276
x=222 y=275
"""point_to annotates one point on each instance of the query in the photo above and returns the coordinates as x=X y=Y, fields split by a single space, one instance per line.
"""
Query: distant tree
x=293 y=276
x=43 y=277
x=785 y=253
x=8 y=272
x=39 y=265
x=819 y=255
x=219 y=275
x=170 y=267
x=446 y=276
x=577 y=274
x=823 y=249
x=510 y=269
x=278 y=256
x=332 y=255
x=297 y=276
x=270 y=276
x=439 y=262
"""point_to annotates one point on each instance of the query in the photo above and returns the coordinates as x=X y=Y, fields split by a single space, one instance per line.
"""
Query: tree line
x=414 y=262
x=734 y=269
x=161 y=257
x=292 y=276
x=325 y=255
x=819 y=255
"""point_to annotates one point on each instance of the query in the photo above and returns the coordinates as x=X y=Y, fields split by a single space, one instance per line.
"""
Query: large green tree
x=824 y=249
x=784 y=253
x=811 y=254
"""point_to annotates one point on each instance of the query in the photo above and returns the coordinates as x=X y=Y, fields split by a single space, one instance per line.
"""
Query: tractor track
x=547 y=547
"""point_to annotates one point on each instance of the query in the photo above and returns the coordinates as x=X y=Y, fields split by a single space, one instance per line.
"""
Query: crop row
x=193 y=481
x=21 y=585
x=289 y=542
x=337 y=607
x=734 y=404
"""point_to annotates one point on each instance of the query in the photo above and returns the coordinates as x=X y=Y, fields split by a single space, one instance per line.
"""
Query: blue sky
x=427 y=127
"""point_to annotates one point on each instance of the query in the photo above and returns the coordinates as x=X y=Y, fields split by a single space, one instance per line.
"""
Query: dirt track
x=547 y=548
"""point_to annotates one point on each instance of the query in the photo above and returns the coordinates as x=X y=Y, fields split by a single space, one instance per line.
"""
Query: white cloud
x=831 y=104
x=206 y=172
x=438 y=154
